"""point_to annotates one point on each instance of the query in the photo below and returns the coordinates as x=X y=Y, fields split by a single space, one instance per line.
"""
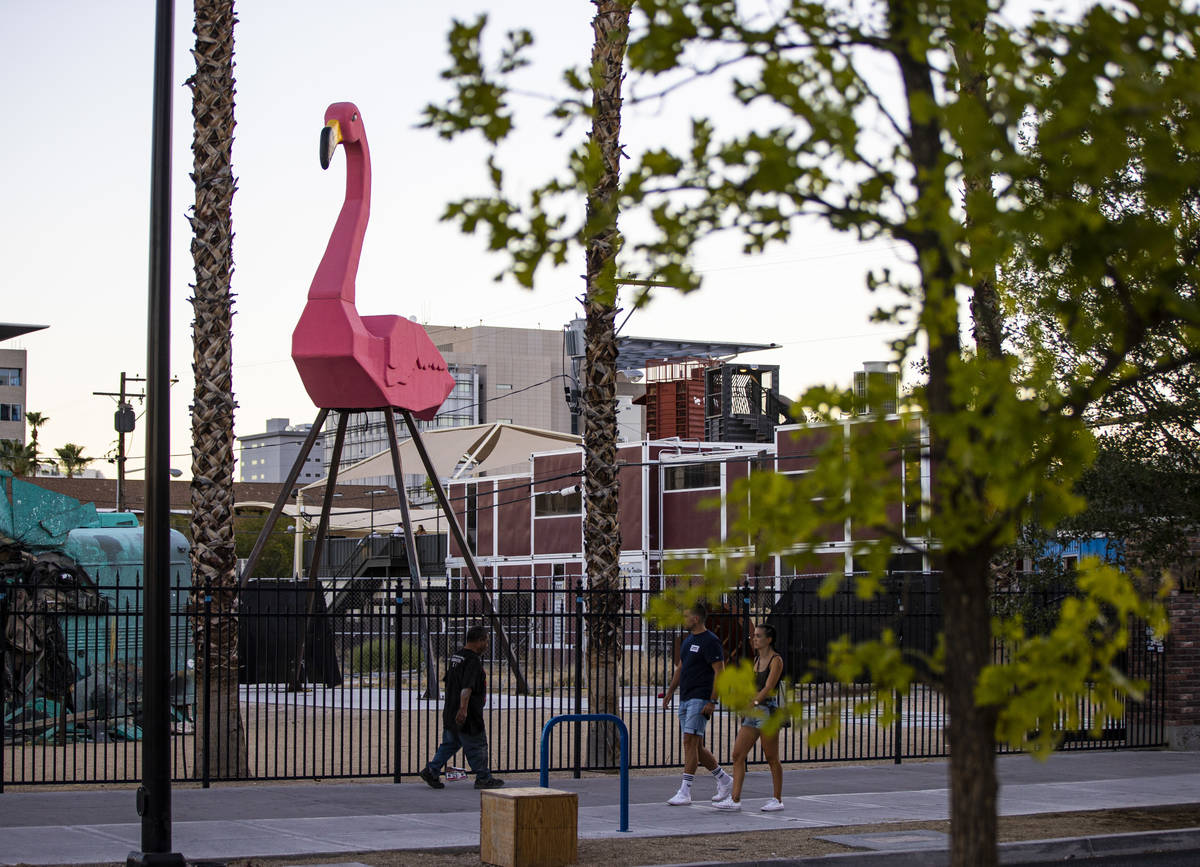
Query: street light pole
x=373 y=493
x=298 y=542
x=154 y=795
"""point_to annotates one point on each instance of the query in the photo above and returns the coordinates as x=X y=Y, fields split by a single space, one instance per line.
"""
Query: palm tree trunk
x=601 y=532
x=213 y=557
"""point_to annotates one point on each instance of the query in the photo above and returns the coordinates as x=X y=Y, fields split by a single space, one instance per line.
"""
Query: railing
x=364 y=709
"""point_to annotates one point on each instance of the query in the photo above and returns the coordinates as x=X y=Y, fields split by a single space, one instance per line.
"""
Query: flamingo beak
x=331 y=137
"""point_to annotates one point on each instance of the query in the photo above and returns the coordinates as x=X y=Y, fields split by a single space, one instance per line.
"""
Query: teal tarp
x=38 y=519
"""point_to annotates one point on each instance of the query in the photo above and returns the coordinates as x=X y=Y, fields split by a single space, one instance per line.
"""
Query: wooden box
x=528 y=827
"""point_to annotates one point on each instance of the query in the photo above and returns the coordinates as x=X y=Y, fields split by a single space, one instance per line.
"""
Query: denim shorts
x=758 y=719
x=691 y=719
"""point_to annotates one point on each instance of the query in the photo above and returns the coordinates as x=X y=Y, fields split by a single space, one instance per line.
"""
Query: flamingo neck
x=339 y=266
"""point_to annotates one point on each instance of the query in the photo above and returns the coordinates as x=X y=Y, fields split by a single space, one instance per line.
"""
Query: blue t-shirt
x=697 y=654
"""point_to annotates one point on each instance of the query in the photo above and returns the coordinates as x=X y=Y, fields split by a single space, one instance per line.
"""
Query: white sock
x=686 y=785
x=720 y=774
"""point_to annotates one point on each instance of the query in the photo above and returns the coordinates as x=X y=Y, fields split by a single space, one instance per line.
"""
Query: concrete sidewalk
x=41 y=827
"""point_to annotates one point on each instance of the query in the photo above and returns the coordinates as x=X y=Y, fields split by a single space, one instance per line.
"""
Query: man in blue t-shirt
x=701 y=659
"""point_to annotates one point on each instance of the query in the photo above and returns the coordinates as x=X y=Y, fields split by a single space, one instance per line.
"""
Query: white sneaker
x=772 y=806
x=723 y=790
x=729 y=805
x=681 y=799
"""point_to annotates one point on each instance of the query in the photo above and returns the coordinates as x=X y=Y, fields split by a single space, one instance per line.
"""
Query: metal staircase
x=742 y=404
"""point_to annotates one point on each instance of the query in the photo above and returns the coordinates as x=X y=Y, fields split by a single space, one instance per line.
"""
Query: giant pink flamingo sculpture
x=347 y=361
x=351 y=363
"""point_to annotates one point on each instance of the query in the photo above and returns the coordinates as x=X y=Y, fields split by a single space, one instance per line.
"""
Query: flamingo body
x=348 y=361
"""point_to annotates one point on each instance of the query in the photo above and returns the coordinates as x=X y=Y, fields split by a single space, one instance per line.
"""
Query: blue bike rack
x=544 y=782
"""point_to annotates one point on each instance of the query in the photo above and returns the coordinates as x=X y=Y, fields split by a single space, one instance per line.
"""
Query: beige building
x=524 y=376
x=501 y=374
x=13 y=381
x=522 y=372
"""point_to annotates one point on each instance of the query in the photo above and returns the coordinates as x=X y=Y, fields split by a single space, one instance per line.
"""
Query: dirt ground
x=781 y=844
x=296 y=737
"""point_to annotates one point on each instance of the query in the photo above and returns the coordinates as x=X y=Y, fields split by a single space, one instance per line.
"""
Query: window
x=554 y=504
x=503 y=386
x=686 y=477
x=11 y=412
x=515 y=603
x=472 y=518
x=10 y=376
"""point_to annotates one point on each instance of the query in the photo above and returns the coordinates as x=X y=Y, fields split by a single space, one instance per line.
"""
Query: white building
x=268 y=456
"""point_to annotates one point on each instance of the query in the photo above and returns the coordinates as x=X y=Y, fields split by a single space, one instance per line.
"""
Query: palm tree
x=213 y=558
x=20 y=459
x=72 y=459
x=35 y=420
x=601 y=532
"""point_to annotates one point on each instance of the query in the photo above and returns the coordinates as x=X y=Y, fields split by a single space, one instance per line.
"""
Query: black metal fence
x=337 y=683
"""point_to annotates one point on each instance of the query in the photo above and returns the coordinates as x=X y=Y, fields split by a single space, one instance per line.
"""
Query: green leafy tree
x=275 y=561
x=1141 y=491
x=970 y=140
x=72 y=459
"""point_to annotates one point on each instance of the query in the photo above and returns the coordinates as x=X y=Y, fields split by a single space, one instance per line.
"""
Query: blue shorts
x=691 y=719
x=758 y=719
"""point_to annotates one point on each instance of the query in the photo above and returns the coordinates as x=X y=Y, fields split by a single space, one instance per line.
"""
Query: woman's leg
x=747 y=735
x=771 y=751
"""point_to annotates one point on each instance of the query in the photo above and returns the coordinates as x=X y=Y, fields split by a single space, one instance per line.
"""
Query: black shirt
x=697 y=654
x=466 y=670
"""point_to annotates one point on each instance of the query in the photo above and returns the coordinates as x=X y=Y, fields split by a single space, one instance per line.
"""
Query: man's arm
x=674 y=685
x=470 y=675
x=718 y=667
x=463 y=698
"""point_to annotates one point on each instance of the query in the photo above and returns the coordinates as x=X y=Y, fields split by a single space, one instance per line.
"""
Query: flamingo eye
x=354 y=116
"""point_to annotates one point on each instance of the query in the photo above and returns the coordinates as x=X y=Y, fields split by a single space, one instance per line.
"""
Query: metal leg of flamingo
x=414 y=565
x=314 y=586
x=284 y=493
x=456 y=531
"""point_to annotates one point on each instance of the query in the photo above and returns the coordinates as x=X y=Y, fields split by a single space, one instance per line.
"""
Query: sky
x=76 y=90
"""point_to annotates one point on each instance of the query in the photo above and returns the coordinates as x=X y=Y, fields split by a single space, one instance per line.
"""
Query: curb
x=1179 y=840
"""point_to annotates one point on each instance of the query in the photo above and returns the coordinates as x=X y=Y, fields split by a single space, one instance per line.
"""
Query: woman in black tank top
x=768 y=669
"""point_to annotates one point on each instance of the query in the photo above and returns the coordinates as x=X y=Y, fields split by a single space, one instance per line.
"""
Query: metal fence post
x=578 y=673
x=747 y=626
x=898 y=736
x=206 y=724
x=398 y=638
x=3 y=669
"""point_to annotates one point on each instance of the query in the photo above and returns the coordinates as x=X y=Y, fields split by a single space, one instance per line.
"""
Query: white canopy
x=356 y=522
x=459 y=451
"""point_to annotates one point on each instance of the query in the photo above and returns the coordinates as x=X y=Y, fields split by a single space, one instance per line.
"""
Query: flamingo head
x=343 y=125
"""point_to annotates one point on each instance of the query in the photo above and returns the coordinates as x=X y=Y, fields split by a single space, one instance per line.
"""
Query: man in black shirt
x=462 y=717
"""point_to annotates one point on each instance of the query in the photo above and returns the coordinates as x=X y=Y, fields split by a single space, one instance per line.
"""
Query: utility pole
x=123 y=422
